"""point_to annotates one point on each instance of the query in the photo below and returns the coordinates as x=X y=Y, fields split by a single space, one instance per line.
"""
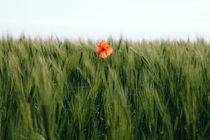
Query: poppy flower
x=103 y=49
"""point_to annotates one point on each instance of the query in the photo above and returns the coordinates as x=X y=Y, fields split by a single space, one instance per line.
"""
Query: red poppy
x=103 y=49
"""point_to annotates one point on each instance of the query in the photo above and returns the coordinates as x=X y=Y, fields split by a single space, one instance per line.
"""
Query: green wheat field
x=52 y=89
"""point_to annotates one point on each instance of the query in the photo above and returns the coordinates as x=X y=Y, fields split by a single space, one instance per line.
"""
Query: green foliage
x=52 y=89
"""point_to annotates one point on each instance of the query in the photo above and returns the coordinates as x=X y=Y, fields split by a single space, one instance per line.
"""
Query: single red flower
x=103 y=49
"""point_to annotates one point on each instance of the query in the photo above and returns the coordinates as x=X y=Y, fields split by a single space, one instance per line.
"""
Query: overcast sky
x=98 y=19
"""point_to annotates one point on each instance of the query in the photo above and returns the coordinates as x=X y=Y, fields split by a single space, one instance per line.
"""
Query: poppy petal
x=103 y=43
x=98 y=48
x=103 y=54
x=109 y=50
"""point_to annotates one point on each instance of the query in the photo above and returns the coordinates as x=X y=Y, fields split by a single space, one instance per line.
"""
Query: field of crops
x=56 y=90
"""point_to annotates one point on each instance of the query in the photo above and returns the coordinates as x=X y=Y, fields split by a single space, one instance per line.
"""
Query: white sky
x=98 y=19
